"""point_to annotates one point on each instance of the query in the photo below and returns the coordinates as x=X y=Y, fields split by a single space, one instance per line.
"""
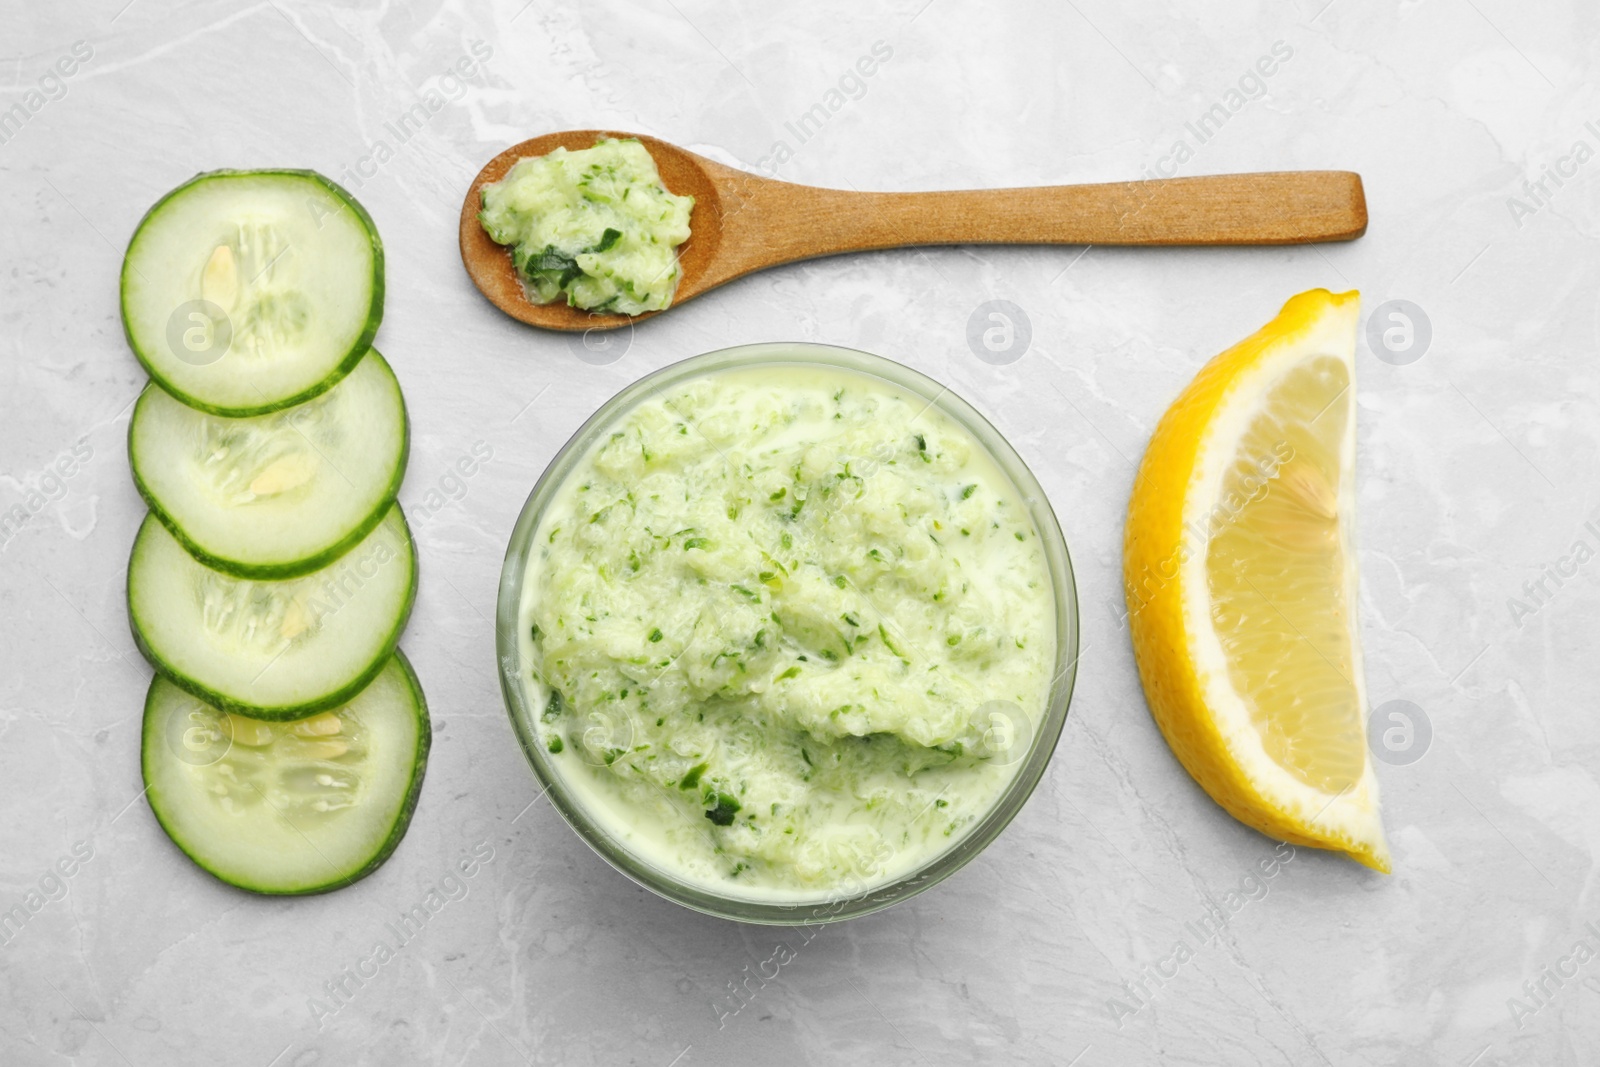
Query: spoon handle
x=1288 y=207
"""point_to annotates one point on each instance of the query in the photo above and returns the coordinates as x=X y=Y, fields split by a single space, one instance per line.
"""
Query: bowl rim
x=843 y=905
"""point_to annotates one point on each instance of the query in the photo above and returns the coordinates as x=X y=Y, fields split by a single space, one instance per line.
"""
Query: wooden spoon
x=742 y=223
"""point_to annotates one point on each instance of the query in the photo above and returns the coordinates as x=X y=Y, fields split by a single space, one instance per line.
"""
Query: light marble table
x=1477 y=444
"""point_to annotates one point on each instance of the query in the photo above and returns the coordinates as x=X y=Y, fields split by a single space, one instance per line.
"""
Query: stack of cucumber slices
x=285 y=735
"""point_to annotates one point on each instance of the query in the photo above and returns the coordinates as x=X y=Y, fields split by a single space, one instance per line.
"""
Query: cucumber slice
x=291 y=808
x=278 y=495
x=272 y=649
x=245 y=291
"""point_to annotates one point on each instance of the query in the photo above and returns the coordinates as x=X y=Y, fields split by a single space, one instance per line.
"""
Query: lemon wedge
x=1240 y=575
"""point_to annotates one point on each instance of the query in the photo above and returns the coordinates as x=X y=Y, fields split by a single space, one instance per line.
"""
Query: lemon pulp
x=1280 y=599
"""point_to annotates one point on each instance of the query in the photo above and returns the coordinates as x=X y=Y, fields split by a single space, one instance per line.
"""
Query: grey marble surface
x=1477 y=450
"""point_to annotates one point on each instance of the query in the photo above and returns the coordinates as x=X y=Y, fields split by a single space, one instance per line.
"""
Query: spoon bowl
x=743 y=223
x=489 y=264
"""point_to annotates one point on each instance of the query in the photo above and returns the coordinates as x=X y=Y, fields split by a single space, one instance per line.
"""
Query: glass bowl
x=847 y=902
